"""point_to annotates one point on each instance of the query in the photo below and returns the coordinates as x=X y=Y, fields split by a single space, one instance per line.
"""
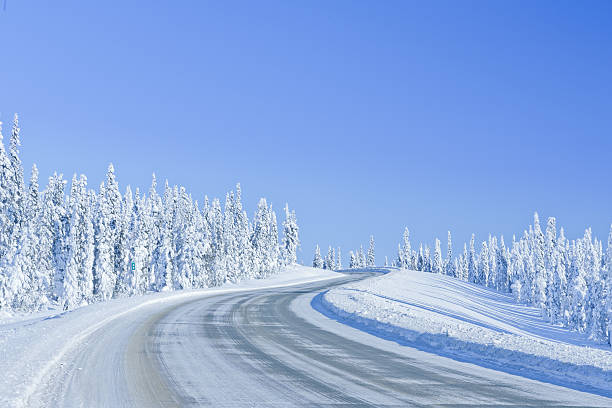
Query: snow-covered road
x=268 y=347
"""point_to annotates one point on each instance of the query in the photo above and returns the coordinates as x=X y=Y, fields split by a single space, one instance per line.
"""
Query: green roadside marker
x=133 y=266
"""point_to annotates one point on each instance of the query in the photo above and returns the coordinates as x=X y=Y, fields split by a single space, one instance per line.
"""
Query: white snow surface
x=32 y=345
x=453 y=318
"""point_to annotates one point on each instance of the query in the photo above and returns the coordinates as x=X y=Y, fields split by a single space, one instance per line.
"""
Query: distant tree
x=354 y=261
x=437 y=264
x=317 y=261
x=371 y=260
x=471 y=263
x=449 y=266
x=329 y=262
x=291 y=240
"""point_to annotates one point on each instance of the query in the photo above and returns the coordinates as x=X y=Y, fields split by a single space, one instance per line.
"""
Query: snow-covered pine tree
x=339 y=259
x=6 y=204
x=399 y=260
x=274 y=248
x=541 y=275
x=437 y=265
x=483 y=265
x=492 y=282
x=362 y=258
x=353 y=262
x=501 y=264
x=104 y=276
x=17 y=184
x=471 y=263
x=420 y=265
x=463 y=264
x=215 y=220
x=371 y=260
x=317 y=262
x=291 y=239
x=329 y=262
x=125 y=275
x=449 y=265
x=78 y=280
x=406 y=251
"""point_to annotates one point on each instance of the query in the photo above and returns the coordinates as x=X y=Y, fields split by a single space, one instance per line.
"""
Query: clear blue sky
x=364 y=116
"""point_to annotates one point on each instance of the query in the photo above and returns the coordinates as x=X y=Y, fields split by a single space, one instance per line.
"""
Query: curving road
x=256 y=349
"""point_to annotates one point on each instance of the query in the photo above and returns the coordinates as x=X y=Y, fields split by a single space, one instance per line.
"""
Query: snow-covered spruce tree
x=449 y=265
x=104 y=274
x=60 y=248
x=471 y=263
x=11 y=216
x=78 y=280
x=541 y=275
x=329 y=262
x=27 y=279
x=517 y=266
x=407 y=259
x=264 y=240
x=362 y=258
x=437 y=265
x=291 y=238
x=463 y=264
x=339 y=259
x=215 y=219
x=492 y=282
x=317 y=262
x=483 y=265
x=420 y=264
x=353 y=262
x=427 y=259
x=6 y=204
x=371 y=260
x=399 y=260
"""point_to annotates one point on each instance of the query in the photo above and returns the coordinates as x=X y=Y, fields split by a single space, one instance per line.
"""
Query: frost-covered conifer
x=362 y=258
x=449 y=265
x=437 y=265
x=291 y=239
x=371 y=260
x=317 y=261
x=354 y=262
x=471 y=263
x=329 y=262
x=483 y=265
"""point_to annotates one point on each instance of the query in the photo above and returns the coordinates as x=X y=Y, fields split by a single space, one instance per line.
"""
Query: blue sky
x=365 y=116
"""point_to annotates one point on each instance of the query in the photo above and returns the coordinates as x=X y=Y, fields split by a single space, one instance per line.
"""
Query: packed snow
x=468 y=322
x=31 y=346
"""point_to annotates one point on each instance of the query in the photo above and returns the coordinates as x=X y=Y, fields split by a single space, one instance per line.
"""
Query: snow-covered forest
x=90 y=246
x=568 y=280
x=333 y=260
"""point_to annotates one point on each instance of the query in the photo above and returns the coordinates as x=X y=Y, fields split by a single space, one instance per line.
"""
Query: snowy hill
x=467 y=322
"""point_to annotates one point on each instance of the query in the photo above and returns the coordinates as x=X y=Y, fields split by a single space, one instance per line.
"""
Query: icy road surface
x=265 y=348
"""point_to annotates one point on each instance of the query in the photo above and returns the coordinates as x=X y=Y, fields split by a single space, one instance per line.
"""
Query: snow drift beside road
x=471 y=323
x=30 y=347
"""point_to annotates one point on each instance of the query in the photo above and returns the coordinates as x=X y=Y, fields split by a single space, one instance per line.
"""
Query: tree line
x=568 y=280
x=91 y=246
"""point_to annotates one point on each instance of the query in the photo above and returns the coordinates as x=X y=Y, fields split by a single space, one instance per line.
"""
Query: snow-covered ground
x=31 y=346
x=453 y=318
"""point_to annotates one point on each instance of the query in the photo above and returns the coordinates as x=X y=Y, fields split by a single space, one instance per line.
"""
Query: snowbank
x=449 y=317
x=30 y=346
